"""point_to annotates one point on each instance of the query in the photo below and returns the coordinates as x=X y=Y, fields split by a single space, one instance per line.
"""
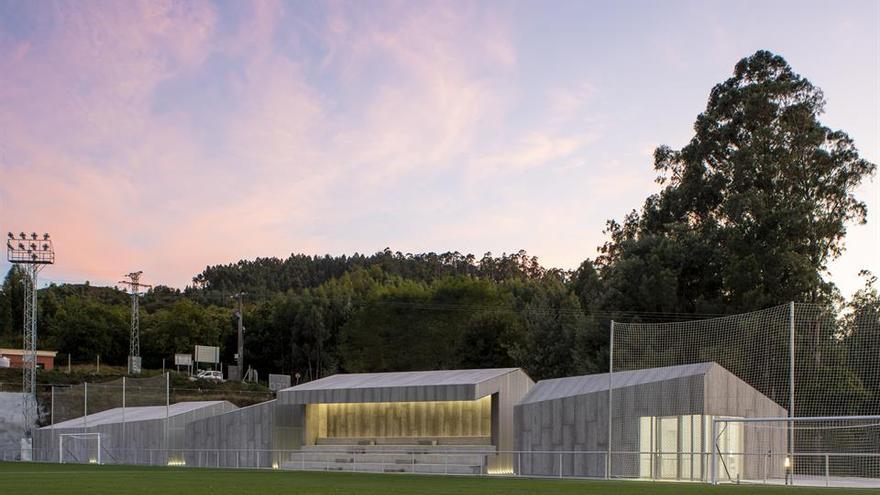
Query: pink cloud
x=133 y=189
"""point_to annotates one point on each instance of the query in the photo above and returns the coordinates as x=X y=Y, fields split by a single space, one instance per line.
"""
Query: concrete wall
x=727 y=395
x=11 y=419
x=580 y=424
x=404 y=419
x=254 y=436
x=508 y=390
x=153 y=441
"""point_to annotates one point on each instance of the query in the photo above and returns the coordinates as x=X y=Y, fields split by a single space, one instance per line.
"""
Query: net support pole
x=167 y=411
x=51 y=420
x=85 y=404
x=791 y=343
x=610 y=391
x=124 y=445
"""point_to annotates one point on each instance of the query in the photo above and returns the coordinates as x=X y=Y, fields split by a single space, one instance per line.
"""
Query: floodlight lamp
x=10 y=235
x=46 y=236
x=45 y=247
x=33 y=246
x=34 y=236
x=22 y=235
x=20 y=246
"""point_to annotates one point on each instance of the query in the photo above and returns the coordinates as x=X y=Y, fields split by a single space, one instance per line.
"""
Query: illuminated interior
x=399 y=419
x=678 y=447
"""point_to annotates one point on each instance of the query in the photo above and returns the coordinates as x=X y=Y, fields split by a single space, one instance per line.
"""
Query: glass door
x=668 y=451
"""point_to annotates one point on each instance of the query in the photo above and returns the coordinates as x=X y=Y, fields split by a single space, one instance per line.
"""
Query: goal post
x=86 y=447
x=839 y=451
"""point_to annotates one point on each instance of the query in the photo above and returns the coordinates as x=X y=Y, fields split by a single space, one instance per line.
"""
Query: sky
x=167 y=136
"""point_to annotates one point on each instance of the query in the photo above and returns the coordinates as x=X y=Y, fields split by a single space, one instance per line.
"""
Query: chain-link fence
x=121 y=403
x=829 y=451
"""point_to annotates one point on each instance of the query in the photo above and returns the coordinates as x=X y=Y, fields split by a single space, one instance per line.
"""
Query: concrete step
x=404 y=441
x=374 y=467
x=401 y=448
x=470 y=459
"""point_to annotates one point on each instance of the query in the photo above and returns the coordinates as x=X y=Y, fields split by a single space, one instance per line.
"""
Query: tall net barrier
x=831 y=451
x=671 y=380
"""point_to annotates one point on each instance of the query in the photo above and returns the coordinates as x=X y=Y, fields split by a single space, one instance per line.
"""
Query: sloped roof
x=558 y=388
x=404 y=379
x=395 y=386
x=140 y=413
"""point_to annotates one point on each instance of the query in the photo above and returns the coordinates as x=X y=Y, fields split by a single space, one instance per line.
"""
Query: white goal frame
x=78 y=435
x=790 y=420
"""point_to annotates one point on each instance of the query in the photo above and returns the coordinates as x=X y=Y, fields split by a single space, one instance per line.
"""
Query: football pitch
x=77 y=479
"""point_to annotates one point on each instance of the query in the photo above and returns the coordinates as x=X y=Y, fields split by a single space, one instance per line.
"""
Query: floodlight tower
x=33 y=252
x=134 y=346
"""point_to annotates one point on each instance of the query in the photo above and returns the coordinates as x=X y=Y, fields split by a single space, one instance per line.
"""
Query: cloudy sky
x=166 y=136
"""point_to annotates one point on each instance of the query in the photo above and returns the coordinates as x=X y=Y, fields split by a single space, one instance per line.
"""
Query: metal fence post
x=610 y=392
x=560 y=464
x=713 y=465
x=85 y=404
x=827 y=471
x=791 y=389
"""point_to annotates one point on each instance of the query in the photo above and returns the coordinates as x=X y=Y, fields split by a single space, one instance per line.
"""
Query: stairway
x=439 y=455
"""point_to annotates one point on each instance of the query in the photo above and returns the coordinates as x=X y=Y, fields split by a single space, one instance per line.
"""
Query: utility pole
x=240 y=314
x=34 y=254
x=134 y=345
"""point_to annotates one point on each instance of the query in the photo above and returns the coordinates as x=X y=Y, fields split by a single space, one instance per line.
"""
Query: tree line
x=748 y=215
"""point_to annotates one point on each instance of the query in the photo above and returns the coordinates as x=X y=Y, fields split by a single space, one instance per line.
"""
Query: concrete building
x=131 y=435
x=45 y=359
x=422 y=415
x=661 y=421
x=260 y=435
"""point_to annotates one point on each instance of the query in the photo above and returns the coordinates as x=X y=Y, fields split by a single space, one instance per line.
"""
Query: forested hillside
x=748 y=216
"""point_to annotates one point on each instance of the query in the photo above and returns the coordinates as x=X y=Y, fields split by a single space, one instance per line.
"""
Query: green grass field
x=87 y=479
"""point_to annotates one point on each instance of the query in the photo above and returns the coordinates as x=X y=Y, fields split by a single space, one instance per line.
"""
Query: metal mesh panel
x=753 y=346
x=831 y=451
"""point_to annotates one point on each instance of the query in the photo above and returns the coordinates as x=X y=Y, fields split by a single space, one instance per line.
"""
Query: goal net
x=83 y=448
x=841 y=451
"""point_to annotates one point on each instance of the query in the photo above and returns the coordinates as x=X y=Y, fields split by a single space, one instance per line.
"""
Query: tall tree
x=753 y=207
